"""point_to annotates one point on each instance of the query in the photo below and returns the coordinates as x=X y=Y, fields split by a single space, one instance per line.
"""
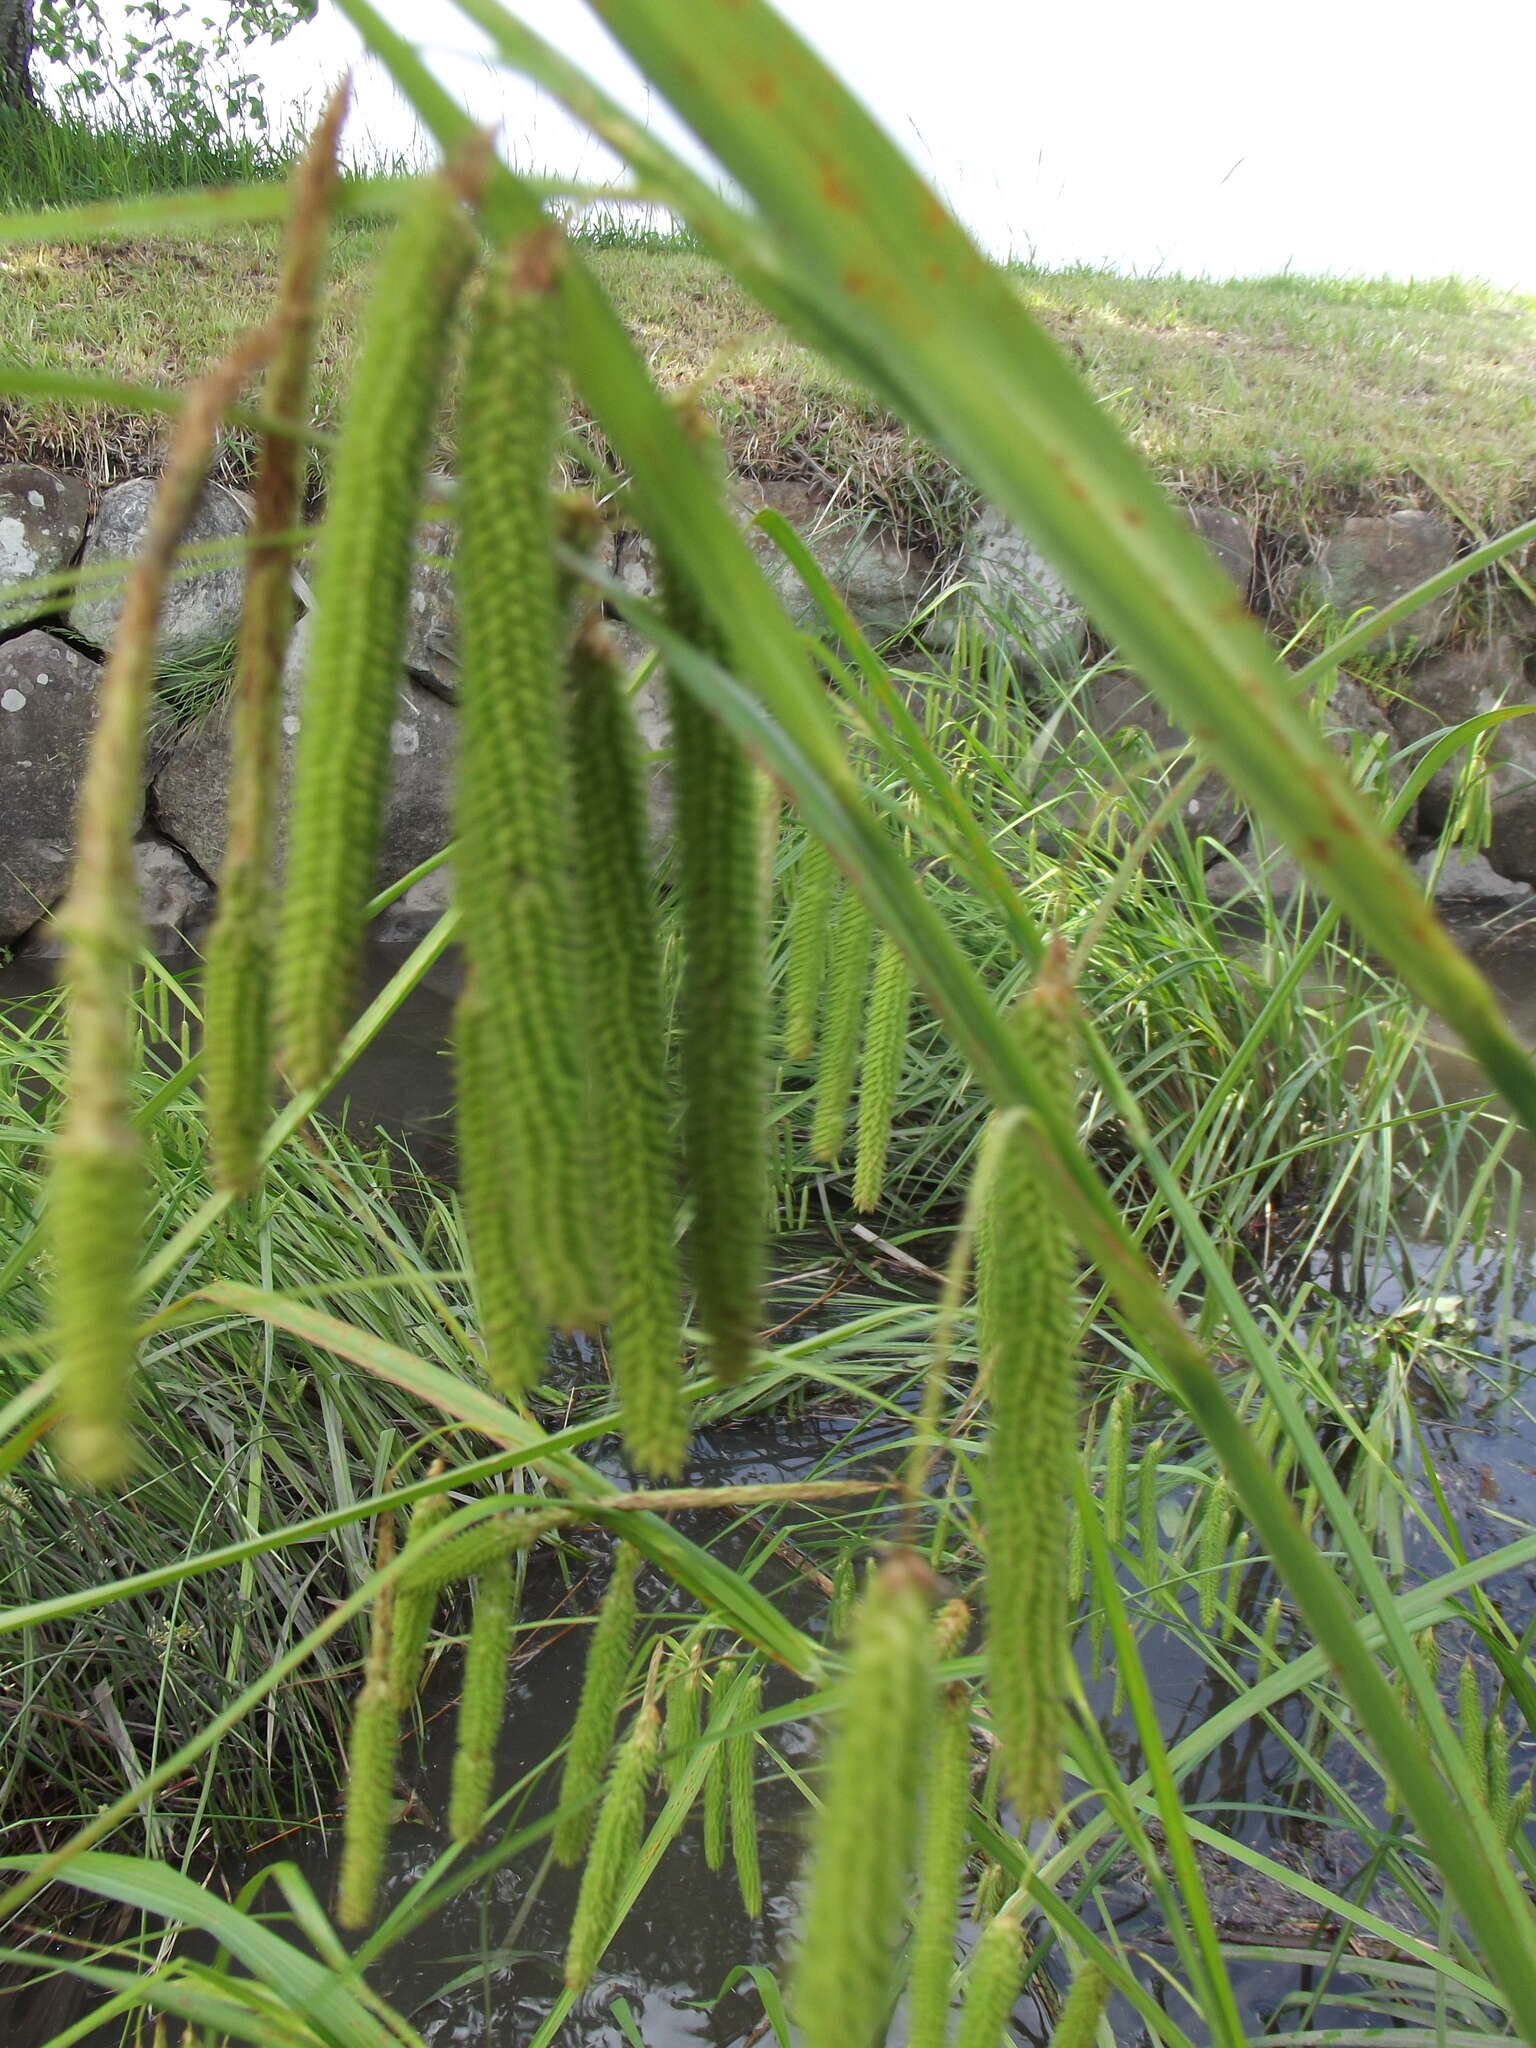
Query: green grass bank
x=1291 y=399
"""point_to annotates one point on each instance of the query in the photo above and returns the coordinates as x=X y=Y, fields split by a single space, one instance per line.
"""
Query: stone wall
x=995 y=586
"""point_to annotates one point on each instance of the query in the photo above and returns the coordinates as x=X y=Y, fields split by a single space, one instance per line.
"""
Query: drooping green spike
x=362 y=580
x=885 y=1044
x=483 y=1702
x=629 y=1083
x=848 y=977
x=943 y=1863
x=865 y=1835
x=1027 y=1334
x=516 y=833
x=615 y=1844
x=601 y=1692
x=724 y=1008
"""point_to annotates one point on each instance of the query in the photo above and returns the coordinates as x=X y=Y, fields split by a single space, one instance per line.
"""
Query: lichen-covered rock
x=201 y=609
x=42 y=527
x=191 y=790
x=1370 y=562
x=175 y=902
x=1013 y=598
x=1229 y=539
x=47 y=710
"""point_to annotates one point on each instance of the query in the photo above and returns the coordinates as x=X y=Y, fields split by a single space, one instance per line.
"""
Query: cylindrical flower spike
x=1117 y=1465
x=629 y=1083
x=1029 y=1329
x=513 y=1336
x=237 y=995
x=885 y=1045
x=476 y=1550
x=724 y=1007
x=602 y=1689
x=685 y=1694
x=809 y=908
x=741 y=1747
x=370 y=1769
x=716 y=1796
x=943 y=1864
x=96 y=1191
x=1215 y=1527
x=516 y=834
x=866 y=1832
x=362 y=582
x=615 y=1844
x=413 y=1609
x=848 y=975
x=483 y=1702
x=1078 y=2026
x=992 y=1984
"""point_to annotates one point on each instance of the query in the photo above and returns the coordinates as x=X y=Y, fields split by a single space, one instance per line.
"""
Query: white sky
x=1354 y=137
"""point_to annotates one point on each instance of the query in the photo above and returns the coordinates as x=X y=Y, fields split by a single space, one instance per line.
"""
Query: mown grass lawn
x=1292 y=397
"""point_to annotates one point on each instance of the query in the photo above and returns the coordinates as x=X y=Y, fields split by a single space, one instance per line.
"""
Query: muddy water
x=485 y=1968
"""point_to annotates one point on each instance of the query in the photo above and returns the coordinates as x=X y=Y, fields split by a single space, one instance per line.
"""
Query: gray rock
x=1254 y=871
x=411 y=916
x=882 y=582
x=1229 y=539
x=42 y=526
x=1014 y=598
x=175 y=903
x=1369 y=563
x=1118 y=707
x=1469 y=878
x=47 y=709
x=431 y=634
x=1453 y=688
x=201 y=610
x=653 y=723
x=1350 y=715
x=191 y=790
x=1121 y=710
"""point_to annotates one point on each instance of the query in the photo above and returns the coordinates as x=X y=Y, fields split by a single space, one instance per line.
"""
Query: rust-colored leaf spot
x=1071 y=482
x=1133 y=515
x=1232 y=613
x=764 y=88
x=936 y=272
x=857 y=282
x=833 y=190
x=934 y=215
x=1316 y=850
